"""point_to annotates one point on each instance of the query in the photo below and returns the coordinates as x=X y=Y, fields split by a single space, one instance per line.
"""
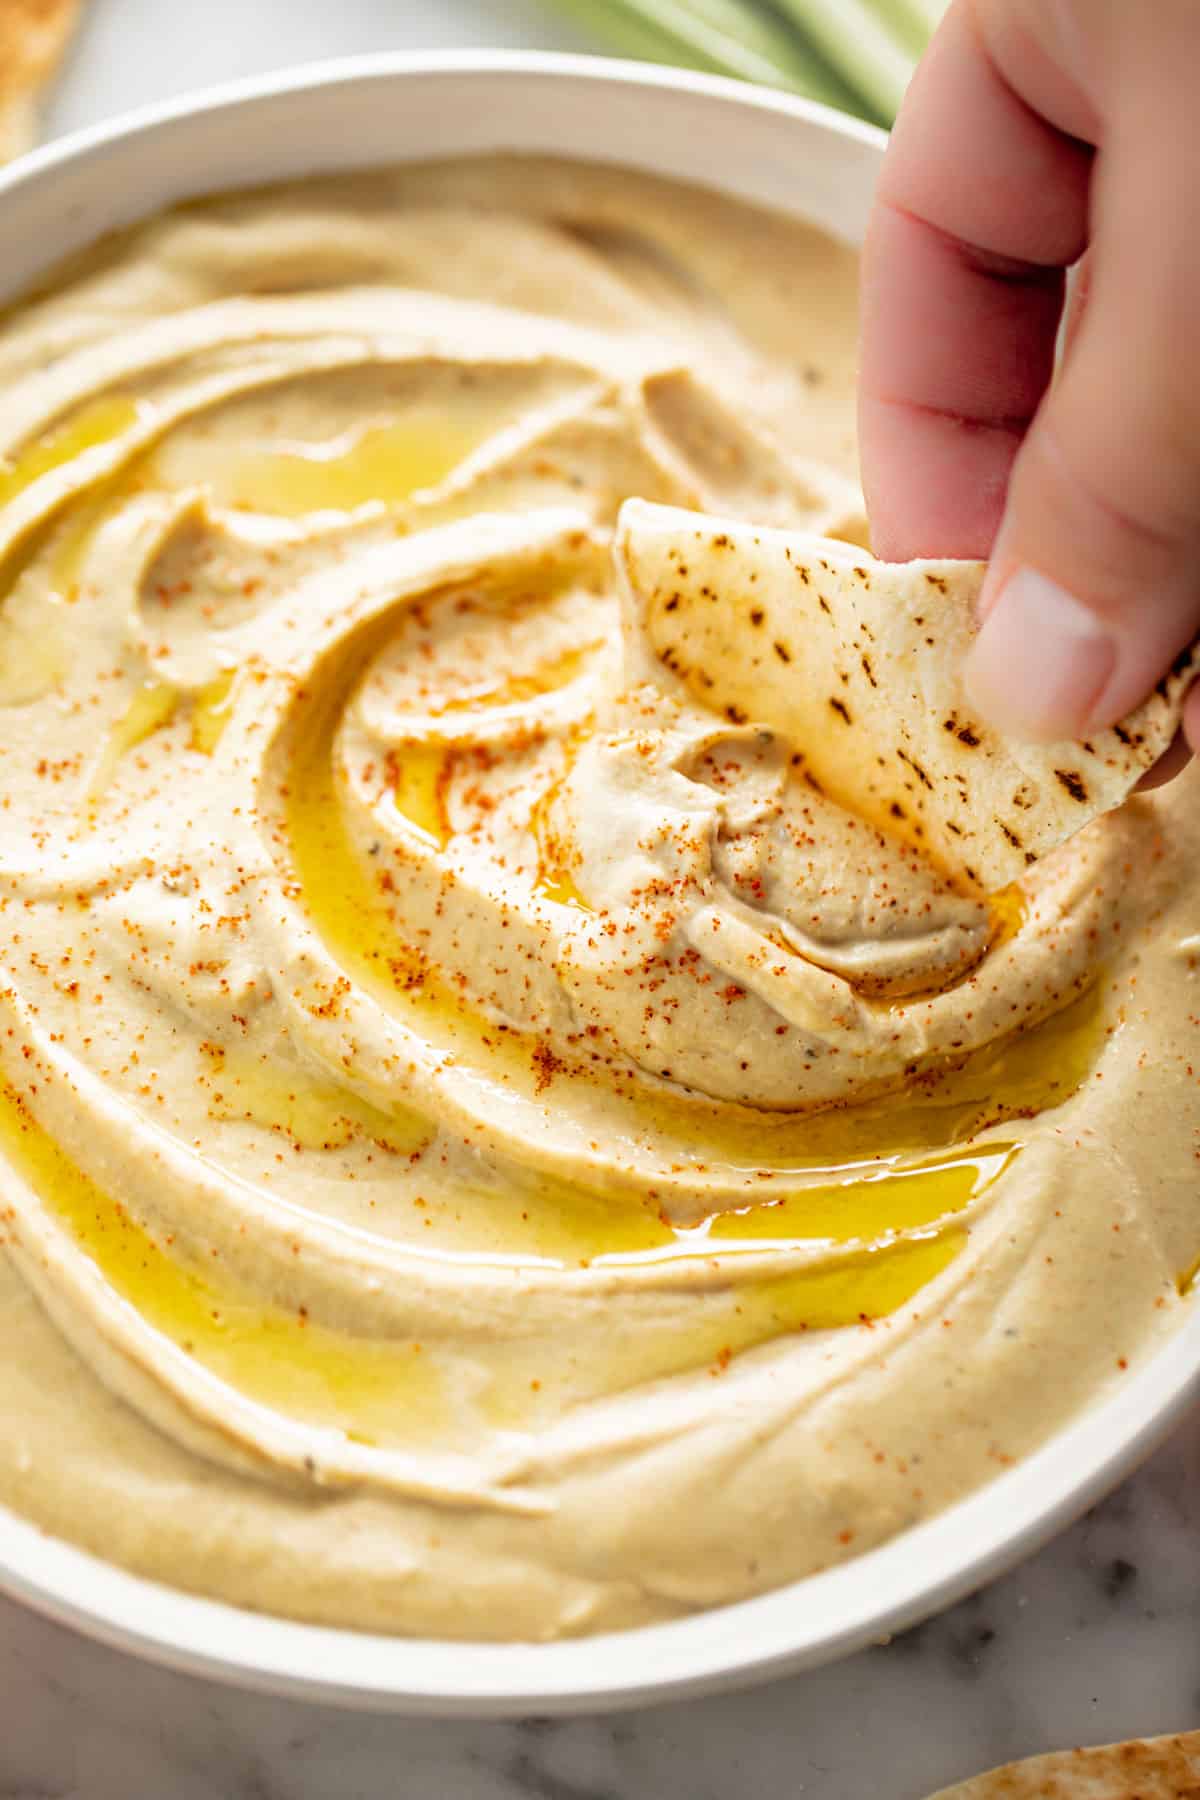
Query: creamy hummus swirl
x=502 y=1166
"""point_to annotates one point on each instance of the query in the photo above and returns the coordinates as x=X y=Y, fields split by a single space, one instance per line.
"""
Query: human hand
x=1037 y=132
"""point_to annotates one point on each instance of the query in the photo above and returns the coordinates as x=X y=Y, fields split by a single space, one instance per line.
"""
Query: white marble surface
x=1097 y=1638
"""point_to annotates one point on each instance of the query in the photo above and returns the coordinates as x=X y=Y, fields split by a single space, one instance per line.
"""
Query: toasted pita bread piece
x=1164 y=1768
x=858 y=663
x=33 y=36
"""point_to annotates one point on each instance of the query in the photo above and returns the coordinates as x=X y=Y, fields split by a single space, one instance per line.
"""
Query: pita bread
x=33 y=36
x=1165 y=1768
x=858 y=664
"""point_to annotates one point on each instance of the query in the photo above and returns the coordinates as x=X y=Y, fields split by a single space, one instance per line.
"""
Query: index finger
x=981 y=206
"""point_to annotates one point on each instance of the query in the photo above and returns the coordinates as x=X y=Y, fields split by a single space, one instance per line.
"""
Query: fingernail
x=1040 y=662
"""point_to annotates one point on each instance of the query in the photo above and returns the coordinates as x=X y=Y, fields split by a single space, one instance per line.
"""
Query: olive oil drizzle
x=899 y=1224
x=272 y=1354
x=389 y=1391
x=1012 y=1078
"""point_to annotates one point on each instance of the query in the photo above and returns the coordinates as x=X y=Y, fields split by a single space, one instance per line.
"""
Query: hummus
x=492 y=1148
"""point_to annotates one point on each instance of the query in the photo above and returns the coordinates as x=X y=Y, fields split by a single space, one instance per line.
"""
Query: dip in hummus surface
x=491 y=1149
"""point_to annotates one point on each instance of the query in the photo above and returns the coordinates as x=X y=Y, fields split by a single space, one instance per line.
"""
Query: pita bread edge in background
x=858 y=664
x=33 y=36
x=1162 y=1768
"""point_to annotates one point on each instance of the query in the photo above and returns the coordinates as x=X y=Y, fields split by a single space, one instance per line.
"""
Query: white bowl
x=767 y=148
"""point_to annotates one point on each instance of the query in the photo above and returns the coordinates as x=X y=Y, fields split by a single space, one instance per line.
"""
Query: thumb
x=1094 y=583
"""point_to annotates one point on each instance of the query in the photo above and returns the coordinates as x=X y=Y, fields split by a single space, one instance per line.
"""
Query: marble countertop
x=1097 y=1638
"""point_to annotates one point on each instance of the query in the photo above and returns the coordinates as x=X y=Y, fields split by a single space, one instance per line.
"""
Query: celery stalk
x=762 y=29
x=928 y=14
x=910 y=22
x=867 y=52
x=855 y=54
x=728 y=37
x=631 y=35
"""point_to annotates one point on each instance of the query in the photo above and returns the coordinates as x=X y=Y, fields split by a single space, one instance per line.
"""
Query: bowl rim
x=330 y=71
x=801 y=1625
